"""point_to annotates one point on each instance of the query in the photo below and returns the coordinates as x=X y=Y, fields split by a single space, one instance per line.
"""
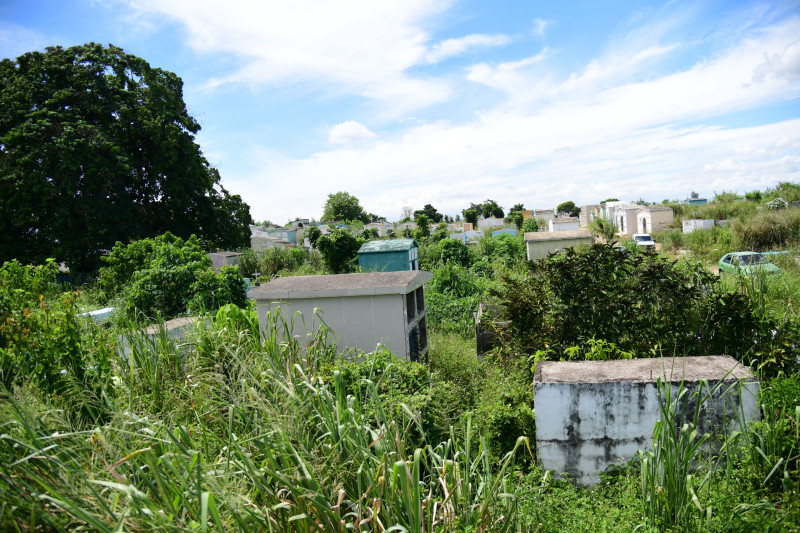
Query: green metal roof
x=392 y=245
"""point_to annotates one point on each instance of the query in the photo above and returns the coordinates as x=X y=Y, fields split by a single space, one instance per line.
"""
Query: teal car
x=747 y=263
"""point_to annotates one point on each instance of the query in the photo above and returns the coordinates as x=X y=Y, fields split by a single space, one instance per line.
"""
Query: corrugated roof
x=392 y=245
x=365 y=284
x=557 y=235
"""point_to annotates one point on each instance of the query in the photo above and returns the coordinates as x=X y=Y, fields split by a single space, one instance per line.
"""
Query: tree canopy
x=96 y=146
x=339 y=250
x=487 y=208
x=431 y=212
x=569 y=209
x=343 y=206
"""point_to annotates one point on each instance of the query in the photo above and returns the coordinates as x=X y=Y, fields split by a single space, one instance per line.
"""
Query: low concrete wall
x=592 y=414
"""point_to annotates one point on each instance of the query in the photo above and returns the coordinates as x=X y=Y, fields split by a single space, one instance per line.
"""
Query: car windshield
x=642 y=238
x=753 y=259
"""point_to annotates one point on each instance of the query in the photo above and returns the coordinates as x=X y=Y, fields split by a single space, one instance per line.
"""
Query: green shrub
x=452 y=298
x=504 y=248
x=633 y=300
x=167 y=276
x=339 y=250
x=43 y=342
x=445 y=252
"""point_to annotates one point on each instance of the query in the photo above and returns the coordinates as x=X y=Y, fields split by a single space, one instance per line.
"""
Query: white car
x=644 y=240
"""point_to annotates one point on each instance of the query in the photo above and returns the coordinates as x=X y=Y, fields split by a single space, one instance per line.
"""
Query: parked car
x=644 y=240
x=748 y=263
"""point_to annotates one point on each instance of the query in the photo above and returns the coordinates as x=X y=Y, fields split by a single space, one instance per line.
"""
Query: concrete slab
x=592 y=414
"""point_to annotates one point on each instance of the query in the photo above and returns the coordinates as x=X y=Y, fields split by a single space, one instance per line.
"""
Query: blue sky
x=408 y=102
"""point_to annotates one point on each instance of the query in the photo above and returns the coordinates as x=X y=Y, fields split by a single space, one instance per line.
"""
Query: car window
x=753 y=259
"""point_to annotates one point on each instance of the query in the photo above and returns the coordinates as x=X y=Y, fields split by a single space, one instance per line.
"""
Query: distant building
x=362 y=310
x=540 y=244
x=691 y=225
x=291 y=235
x=544 y=214
x=382 y=227
x=696 y=201
x=486 y=224
x=625 y=218
x=300 y=223
x=221 y=259
x=389 y=256
x=588 y=213
x=564 y=224
x=654 y=218
x=261 y=243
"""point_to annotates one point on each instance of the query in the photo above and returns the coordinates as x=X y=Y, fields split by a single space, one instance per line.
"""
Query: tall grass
x=232 y=431
x=769 y=230
x=273 y=261
x=671 y=480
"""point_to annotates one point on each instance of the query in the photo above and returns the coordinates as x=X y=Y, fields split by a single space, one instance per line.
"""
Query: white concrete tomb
x=592 y=414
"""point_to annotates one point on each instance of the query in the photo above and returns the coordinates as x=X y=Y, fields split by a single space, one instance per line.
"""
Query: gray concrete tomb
x=593 y=414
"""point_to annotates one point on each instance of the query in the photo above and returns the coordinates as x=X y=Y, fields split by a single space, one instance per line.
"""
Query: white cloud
x=539 y=26
x=351 y=47
x=781 y=65
x=349 y=132
x=453 y=47
x=633 y=139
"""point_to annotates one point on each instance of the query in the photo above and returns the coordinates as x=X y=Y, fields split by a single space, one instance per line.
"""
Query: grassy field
x=243 y=429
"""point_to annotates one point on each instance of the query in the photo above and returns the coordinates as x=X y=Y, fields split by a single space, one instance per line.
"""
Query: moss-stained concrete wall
x=592 y=414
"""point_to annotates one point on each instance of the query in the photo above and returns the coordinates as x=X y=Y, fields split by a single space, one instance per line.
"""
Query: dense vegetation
x=96 y=146
x=235 y=429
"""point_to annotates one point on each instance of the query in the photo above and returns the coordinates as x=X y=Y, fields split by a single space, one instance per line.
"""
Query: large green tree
x=430 y=212
x=343 y=206
x=568 y=209
x=339 y=250
x=96 y=146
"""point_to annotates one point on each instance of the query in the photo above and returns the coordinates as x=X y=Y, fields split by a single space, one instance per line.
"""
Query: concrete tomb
x=593 y=414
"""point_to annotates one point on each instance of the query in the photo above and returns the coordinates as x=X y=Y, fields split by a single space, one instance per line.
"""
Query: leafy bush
x=339 y=250
x=529 y=226
x=504 y=248
x=786 y=190
x=634 y=300
x=452 y=298
x=601 y=227
x=444 y=252
x=42 y=342
x=167 y=276
x=711 y=244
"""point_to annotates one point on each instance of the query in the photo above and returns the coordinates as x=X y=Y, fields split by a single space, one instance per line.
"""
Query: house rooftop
x=557 y=235
x=393 y=245
x=337 y=285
